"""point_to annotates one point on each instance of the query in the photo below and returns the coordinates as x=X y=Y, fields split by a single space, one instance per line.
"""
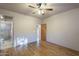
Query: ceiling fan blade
x=49 y=9
x=31 y=6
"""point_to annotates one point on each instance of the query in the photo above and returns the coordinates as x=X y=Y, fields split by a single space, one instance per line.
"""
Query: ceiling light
x=42 y=11
x=39 y=12
x=1 y=17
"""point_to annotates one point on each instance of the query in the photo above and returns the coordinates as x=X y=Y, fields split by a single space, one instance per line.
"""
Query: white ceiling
x=23 y=9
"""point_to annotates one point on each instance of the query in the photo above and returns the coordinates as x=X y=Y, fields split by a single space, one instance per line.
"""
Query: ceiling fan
x=39 y=7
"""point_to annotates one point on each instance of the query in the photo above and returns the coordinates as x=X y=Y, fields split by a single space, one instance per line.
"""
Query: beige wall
x=24 y=25
x=63 y=29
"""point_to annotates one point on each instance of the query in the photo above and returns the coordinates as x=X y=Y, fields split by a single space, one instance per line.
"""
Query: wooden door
x=43 y=32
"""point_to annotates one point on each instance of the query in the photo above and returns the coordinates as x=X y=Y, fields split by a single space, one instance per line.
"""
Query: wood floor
x=44 y=49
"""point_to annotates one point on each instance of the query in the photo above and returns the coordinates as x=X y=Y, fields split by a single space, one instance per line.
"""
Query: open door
x=43 y=32
x=6 y=36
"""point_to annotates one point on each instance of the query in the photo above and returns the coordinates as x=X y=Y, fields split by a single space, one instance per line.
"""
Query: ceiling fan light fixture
x=39 y=12
x=42 y=12
x=1 y=17
x=41 y=8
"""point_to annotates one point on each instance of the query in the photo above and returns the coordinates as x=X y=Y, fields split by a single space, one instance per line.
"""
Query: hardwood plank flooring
x=44 y=49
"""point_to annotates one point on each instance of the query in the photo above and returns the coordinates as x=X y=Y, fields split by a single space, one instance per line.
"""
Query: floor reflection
x=44 y=49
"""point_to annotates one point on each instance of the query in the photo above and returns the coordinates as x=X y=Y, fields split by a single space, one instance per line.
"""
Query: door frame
x=11 y=31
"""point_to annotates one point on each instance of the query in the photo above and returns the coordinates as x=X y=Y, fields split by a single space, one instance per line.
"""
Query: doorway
x=43 y=32
x=6 y=35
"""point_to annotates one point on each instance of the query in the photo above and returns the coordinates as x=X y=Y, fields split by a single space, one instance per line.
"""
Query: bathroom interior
x=5 y=33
